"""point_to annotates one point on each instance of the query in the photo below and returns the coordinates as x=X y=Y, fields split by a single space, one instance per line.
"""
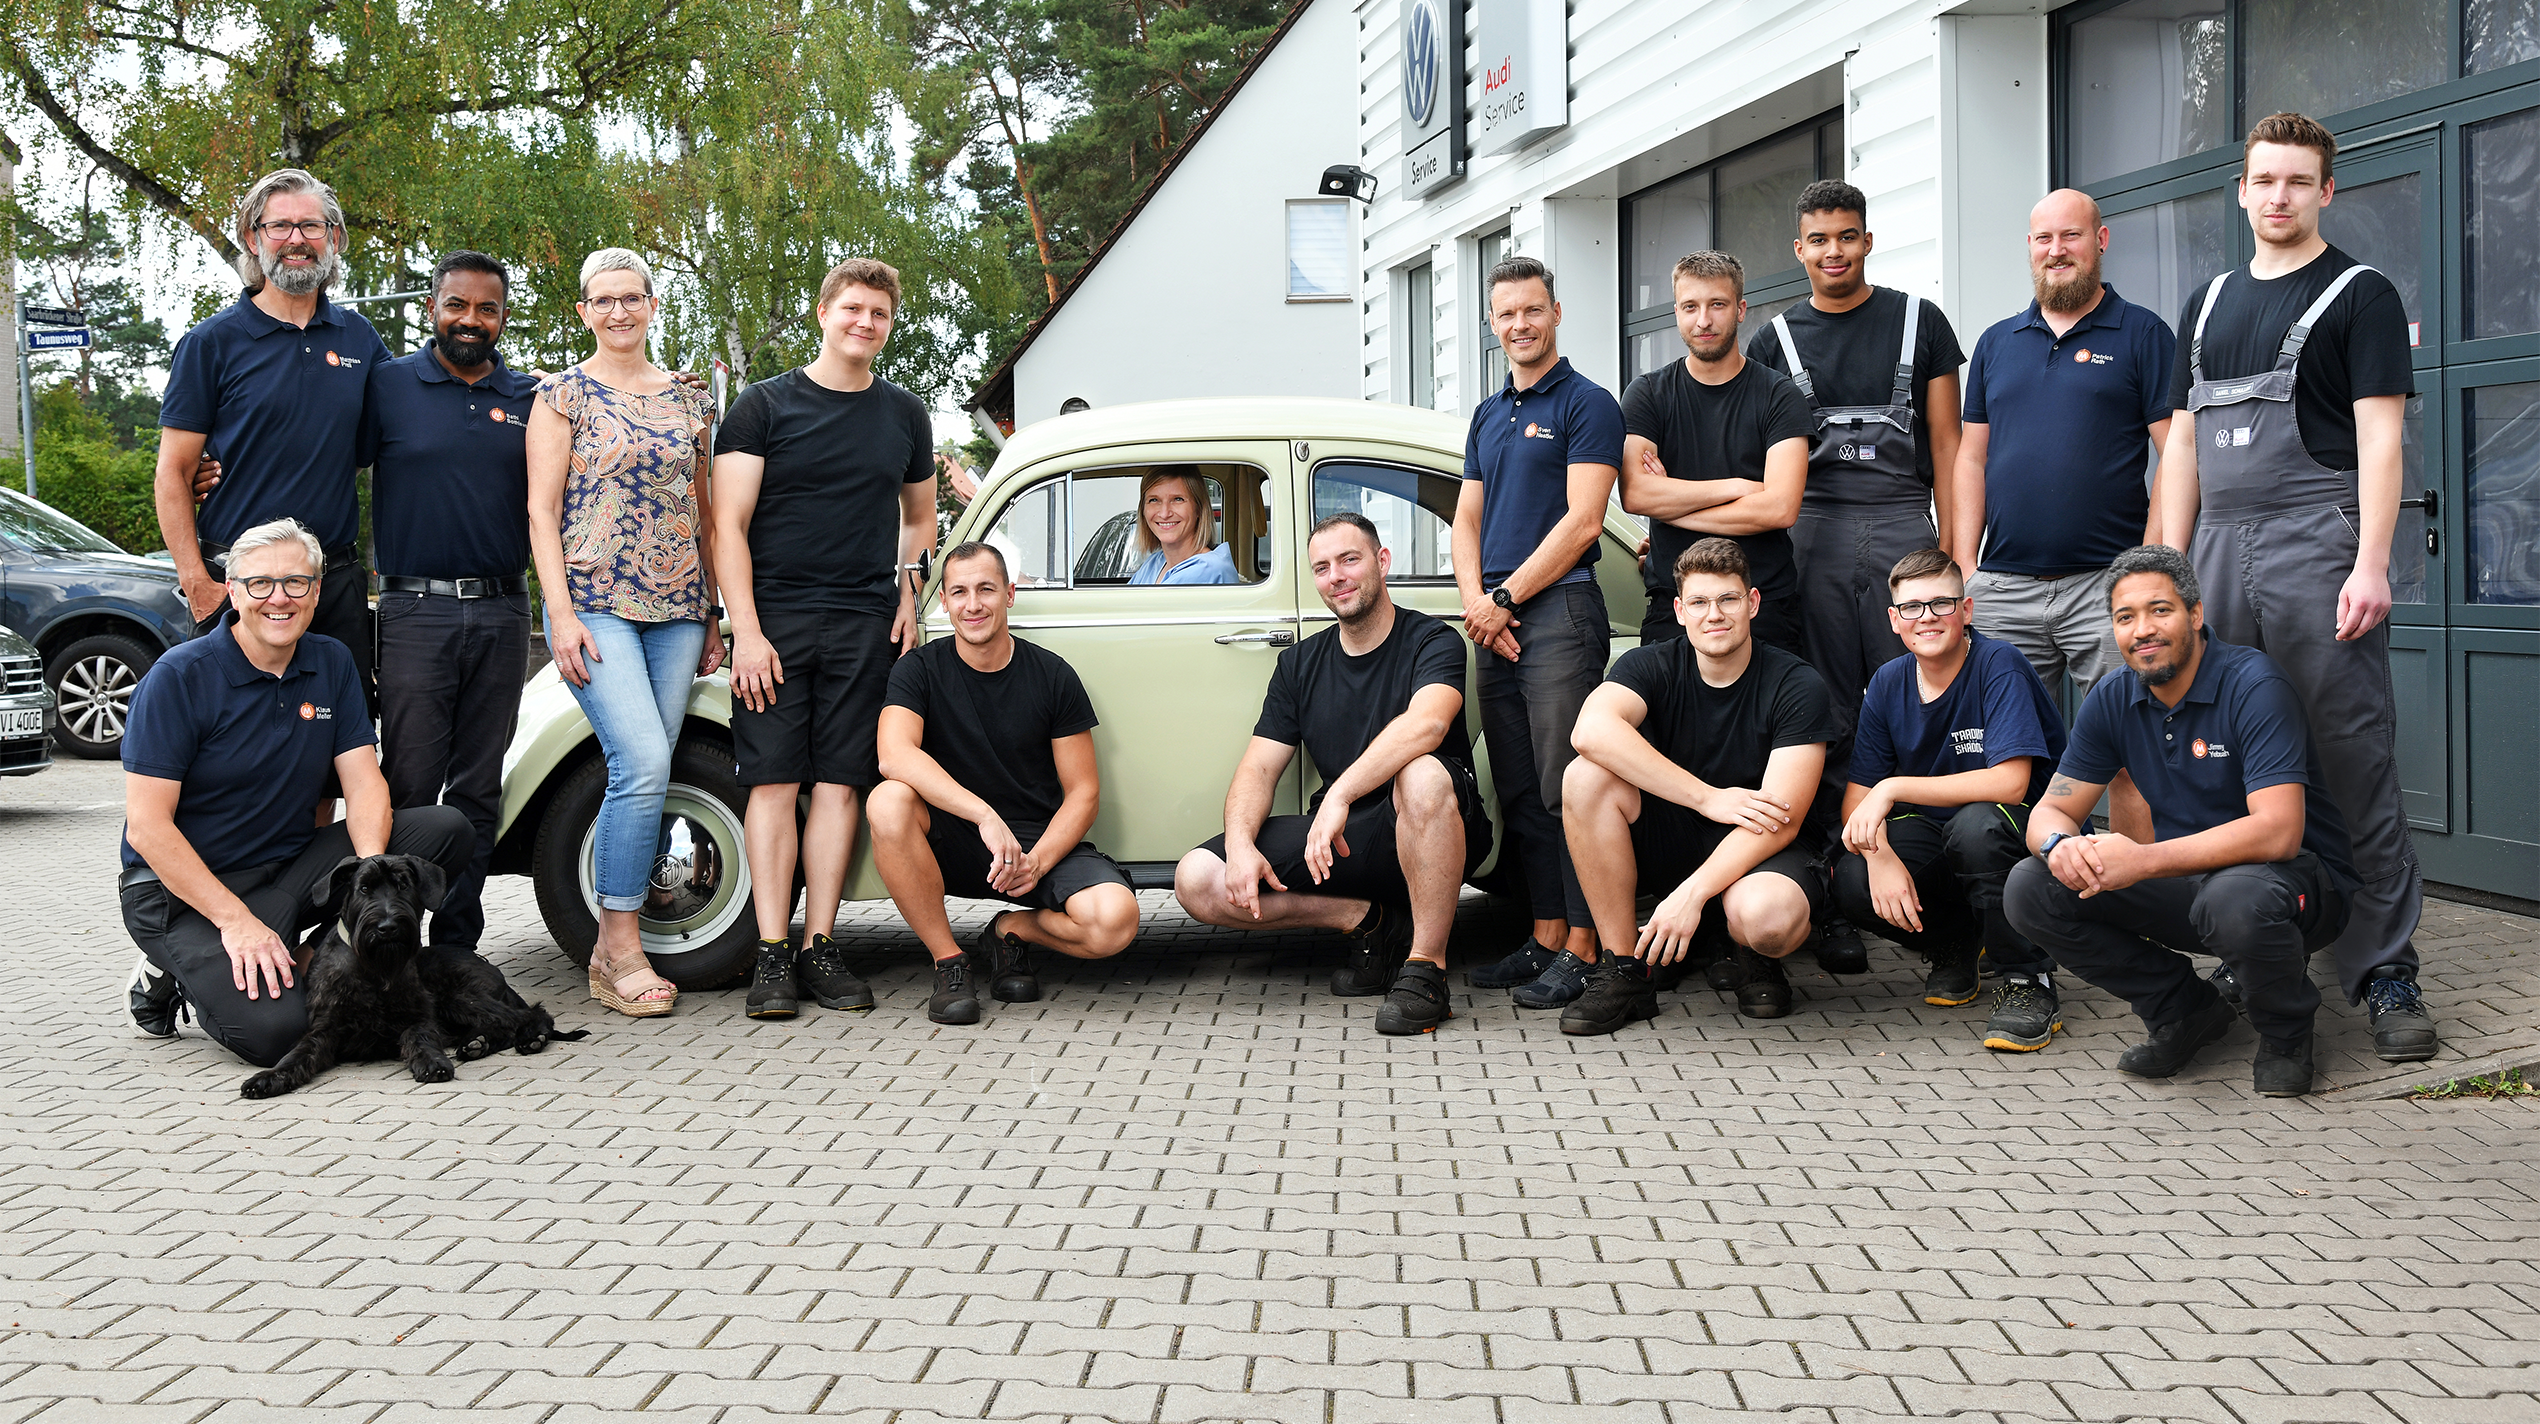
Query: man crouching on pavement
x=1378 y=701
x=987 y=751
x=1697 y=760
x=229 y=744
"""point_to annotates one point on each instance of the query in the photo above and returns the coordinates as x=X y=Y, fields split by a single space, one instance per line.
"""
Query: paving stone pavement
x=1190 y=1185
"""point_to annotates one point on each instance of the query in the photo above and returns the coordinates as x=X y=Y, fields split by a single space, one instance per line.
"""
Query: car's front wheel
x=93 y=680
x=697 y=925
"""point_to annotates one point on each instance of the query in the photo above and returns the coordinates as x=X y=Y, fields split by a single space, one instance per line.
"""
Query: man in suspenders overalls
x=1880 y=370
x=2295 y=376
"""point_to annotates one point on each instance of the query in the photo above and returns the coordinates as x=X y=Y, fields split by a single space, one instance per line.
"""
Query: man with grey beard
x=2065 y=404
x=272 y=388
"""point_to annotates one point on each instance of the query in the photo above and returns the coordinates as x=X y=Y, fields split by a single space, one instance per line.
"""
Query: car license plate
x=28 y=723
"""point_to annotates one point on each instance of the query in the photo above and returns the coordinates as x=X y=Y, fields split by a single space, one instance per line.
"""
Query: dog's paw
x=268 y=1084
x=535 y=1043
x=475 y=1048
x=435 y=1072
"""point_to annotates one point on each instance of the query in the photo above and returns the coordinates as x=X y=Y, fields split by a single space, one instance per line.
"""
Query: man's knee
x=440 y=834
x=895 y=811
x=1423 y=792
x=1108 y=915
x=1199 y=883
x=1982 y=839
x=1590 y=790
x=1849 y=884
x=2241 y=902
x=1766 y=912
x=2035 y=902
x=270 y=1031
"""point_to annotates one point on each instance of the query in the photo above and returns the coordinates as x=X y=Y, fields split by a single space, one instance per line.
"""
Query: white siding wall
x=1993 y=125
x=1192 y=301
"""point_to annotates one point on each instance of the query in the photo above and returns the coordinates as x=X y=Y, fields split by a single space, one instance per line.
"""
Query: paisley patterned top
x=630 y=509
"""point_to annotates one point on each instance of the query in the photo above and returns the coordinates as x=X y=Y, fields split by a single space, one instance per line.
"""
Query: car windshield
x=43 y=529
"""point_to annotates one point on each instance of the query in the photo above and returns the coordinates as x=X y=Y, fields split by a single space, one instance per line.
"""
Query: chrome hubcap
x=700 y=881
x=95 y=696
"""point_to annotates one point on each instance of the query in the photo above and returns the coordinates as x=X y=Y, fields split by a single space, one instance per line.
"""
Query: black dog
x=375 y=992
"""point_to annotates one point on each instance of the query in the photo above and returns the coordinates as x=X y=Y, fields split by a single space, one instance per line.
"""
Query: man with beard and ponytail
x=445 y=435
x=272 y=388
x=2065 y=403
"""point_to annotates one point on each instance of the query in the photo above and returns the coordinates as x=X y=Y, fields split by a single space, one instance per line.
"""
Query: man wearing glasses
x=1953 y=747
x=271 y=387
x=232 y=737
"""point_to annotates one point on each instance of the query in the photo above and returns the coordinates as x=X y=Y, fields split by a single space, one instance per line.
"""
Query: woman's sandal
x=609 y=988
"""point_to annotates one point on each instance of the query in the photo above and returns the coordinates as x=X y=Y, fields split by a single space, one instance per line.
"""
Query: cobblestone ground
x=1189 y=1185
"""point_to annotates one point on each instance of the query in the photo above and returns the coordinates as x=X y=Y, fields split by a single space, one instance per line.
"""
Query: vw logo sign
x=1420 y=62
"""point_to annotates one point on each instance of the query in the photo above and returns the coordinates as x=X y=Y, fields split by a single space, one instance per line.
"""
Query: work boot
x=1006 y=960
x=773 y=991
x=154 y=999
x=1561 y=983
x=2227 y=984
x=1418 y=1001
x=822 y=972
x=2283 y=1067
x=2026 y=1015
x=1618 y=993
x=956 y=999
x=1765 y=991
x=2173 y=1046
x=1376 y=951
x=2402 y=1031
x=1952 y=980
x=1519 y=966
x=1726 y=971
x=1840 y=951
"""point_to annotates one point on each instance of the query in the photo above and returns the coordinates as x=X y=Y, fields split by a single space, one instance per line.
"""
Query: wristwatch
x=1500 y=596
x=2047 y=851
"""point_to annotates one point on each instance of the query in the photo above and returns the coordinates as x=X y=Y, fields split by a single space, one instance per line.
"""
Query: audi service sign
x=1432 y=95
x=1523 y=50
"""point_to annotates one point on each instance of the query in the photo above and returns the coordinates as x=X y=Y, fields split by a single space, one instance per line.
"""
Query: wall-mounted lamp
x=1348 y=180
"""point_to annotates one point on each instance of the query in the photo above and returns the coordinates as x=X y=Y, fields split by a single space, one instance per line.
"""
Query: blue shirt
x=282 y=410
x=2239 y=729
x=1215 y=566
x=1994 y=710
x=449 y=469
x=251 y=750
x=1521 y=447
x=2066 y=445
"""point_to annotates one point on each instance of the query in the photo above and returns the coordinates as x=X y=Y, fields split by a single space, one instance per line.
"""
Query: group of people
x=1864 y=589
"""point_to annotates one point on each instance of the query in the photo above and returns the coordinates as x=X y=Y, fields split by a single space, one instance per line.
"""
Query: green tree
x=80 y=255
x=81 y=470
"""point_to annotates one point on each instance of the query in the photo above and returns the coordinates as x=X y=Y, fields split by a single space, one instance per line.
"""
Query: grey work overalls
x=2275 y=540
x=1865 y=508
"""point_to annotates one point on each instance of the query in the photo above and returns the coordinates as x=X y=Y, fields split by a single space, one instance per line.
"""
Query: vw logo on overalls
x=1420 y=63
x=1847 y=452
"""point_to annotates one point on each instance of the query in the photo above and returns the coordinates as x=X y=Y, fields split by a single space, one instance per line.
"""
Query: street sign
x=57 y=338
x=55 y=316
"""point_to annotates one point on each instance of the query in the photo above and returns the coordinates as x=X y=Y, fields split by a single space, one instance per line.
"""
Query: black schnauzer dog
x=375 y=992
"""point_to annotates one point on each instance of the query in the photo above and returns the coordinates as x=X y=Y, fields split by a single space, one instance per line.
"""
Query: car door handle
x=1275 y=637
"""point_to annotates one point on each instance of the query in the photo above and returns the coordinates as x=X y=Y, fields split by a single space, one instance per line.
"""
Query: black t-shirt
x=1333 y=704
x=1718 y=433
x=991 y=731
x=2358 y=347
x=1725 y=735
x=826 y=532
x=1852 y=356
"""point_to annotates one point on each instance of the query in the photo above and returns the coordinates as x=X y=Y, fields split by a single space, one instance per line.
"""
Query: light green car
x=1176 y=673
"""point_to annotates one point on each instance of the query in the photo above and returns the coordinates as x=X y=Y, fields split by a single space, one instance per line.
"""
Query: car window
x=1413 y=511
x=1080 y=530
x=42 y=529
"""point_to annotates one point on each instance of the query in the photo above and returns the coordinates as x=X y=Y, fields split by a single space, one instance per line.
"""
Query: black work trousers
x=1959 y=866
x=2263 y=920
x=1529 y=708
x=450 y=676
x=178 y=939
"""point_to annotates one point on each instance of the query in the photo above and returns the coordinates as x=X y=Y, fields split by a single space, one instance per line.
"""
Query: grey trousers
x=2060 y=625
x=1529 y=708
x=450 y=677
x=2271 y=582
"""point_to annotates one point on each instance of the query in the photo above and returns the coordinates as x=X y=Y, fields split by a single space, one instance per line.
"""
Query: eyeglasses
x=1701 y=607
x=605 y=305
x=292 y=586
x=1927 y=608
x=285 y=231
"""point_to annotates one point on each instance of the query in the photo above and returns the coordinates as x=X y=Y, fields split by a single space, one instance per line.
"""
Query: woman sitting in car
x=1175 y=530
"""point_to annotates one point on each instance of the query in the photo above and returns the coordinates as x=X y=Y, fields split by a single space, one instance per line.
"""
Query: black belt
x=347 y=556
x=454 y=588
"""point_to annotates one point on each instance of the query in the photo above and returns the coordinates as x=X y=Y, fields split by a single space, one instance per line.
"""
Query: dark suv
x=98 y=615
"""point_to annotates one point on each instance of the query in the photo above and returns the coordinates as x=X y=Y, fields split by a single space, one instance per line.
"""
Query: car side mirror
x=925 y=563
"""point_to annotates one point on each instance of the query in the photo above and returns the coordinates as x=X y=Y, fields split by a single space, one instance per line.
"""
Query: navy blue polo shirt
x=1994 y=710
x=2066 y=448
x=1521 y=448
x=449 y=469
x=282 y=407
x=252 y=750
x=2239 y=729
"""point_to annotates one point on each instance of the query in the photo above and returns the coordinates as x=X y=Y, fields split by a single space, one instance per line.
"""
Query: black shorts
x=821 y=726
x=1670 y=842
x=963 y=859
x=1373 y=868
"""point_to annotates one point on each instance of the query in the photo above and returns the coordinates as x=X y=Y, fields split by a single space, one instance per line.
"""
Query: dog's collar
x=345 y=928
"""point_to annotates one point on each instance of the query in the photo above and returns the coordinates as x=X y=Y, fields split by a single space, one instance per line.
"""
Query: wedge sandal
x=608 y=988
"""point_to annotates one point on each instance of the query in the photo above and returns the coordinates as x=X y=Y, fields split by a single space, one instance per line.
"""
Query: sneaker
x=2026 y=1015
x=1561 y=983
x=2283 y=1067
x=1619 y=992
x=1726 y=972
x=1376 y=951
x=1840 y=951
x=1007 y=962
x=2227 y=984
x=2402 y=1031
x=1765 y=994
x=955 y=1000
x=1952 y=980
x=1521 y=965
x=772 y=988
x=1664 y=977
x=823 y=974
x=153 y=997
x=2173 y=1045
x=1418 y=1001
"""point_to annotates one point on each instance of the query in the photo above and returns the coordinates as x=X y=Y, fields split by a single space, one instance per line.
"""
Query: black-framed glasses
x=605 y=305
x=286 y=231
x=1928 y=608
x=292 y=585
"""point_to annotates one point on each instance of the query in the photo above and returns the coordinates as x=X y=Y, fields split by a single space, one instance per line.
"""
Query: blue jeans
x=636 y=699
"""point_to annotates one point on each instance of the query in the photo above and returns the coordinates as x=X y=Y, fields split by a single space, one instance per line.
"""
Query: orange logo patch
x=308 y=712
x=334 y=360
x=1531 y=428
x=498 y=416
x=2197 y=746
x=2082 y=357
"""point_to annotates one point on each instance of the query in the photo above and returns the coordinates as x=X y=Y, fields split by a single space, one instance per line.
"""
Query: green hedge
x=81 y=471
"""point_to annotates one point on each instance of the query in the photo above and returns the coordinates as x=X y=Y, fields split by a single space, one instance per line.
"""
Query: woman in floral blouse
x=618 y=521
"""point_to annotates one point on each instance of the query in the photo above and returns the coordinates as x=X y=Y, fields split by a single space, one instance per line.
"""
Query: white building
x=1609 y=137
